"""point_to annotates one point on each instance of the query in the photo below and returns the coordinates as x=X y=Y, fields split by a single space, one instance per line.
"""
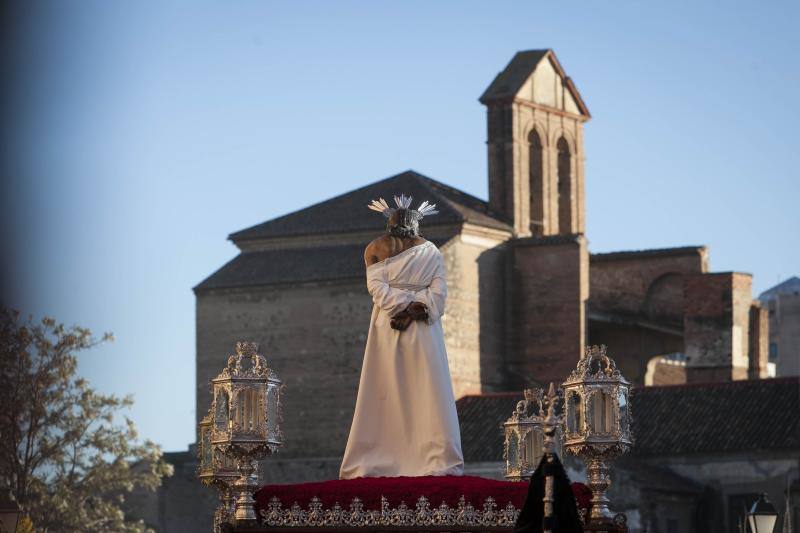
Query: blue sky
x=143 y=133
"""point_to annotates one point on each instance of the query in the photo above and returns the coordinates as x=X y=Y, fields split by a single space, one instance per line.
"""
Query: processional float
x=589 y=416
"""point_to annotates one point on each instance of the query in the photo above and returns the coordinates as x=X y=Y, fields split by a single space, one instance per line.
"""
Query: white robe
x=405 y=422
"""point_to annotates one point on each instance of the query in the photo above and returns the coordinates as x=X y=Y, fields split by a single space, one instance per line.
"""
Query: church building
x=525 y=294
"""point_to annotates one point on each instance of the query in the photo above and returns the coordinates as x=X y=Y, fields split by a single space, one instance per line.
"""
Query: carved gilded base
x=398 y=518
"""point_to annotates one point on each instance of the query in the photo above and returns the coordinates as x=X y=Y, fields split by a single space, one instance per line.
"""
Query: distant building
x=783 y=304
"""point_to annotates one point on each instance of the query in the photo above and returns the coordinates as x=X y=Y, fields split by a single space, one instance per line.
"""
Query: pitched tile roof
x=348 y=212
x=737 y=416
x=481 y=420
x=272 y=267
x=703 y=418
x=293 y=265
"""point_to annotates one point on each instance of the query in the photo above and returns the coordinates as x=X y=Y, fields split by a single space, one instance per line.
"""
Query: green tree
x=63 y=454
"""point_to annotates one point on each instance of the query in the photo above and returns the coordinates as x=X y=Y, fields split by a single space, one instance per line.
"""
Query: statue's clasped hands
x=403 y=319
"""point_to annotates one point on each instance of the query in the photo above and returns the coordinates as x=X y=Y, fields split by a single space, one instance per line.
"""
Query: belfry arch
x=564 y=188
x=537 y=182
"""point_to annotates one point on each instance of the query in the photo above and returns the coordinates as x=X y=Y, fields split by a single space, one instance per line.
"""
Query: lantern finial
x=246 y=349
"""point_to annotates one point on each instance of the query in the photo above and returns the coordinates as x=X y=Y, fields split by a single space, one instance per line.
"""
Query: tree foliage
x=63 y=453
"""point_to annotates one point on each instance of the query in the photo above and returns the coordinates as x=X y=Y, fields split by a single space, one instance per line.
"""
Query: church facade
x=525 y=294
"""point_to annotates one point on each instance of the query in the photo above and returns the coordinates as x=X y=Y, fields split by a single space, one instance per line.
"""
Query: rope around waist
x=408 y=286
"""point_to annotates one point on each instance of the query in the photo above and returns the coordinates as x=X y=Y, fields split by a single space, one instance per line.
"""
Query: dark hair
x=402 y=223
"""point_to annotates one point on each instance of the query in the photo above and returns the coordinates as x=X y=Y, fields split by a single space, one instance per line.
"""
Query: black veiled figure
x=565 y=510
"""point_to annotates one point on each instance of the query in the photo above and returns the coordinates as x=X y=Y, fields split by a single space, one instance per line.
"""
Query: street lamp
x=762 y=515
x=597 y=422
x=246 y=411
x=526 y=436
x=9 y=512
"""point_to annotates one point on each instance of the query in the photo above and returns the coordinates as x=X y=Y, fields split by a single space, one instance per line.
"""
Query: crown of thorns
x=403 y=202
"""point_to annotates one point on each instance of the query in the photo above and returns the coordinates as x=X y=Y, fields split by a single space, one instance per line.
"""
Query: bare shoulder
x=377 y=250
x=387 y=246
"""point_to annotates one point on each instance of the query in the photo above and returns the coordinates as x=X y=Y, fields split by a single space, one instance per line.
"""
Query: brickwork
x=634 y=345
x=547 y=298
x=666 y=373
x=716 y=325
x=647 y=283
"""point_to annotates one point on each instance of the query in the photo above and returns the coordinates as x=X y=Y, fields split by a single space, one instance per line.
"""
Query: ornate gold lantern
x=246 y=416
x=525 y=434
x=597 y=421
x=216 y=470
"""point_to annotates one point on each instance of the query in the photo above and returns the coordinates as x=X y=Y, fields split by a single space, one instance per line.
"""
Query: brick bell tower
x=535 y=141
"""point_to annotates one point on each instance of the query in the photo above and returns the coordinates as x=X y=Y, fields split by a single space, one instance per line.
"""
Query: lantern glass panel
x=272 y=411
x=513 y=450
x=534 y=447
x=205 y=442
x=246 y=416
x=222 y=414
x=623 y=411
x=600 y=412
x=574 y=413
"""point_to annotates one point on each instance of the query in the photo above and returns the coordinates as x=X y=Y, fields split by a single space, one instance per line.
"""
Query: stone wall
x=547 y=309
x=313 y=335
x=474 y=315
x=462 y=316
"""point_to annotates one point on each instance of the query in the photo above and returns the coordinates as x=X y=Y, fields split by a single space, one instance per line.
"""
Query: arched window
x=535 y=175
x=564 y=187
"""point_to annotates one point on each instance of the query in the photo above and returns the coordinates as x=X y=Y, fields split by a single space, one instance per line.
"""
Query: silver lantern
x=216 y=470
x=597 y=422
x=527 y=434
x=246 y=413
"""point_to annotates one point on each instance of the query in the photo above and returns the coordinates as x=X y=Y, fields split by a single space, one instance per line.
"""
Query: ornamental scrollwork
x=595 y=365
x=421 y=515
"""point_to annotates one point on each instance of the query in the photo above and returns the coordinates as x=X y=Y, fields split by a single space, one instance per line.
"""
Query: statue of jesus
x=405 y=422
